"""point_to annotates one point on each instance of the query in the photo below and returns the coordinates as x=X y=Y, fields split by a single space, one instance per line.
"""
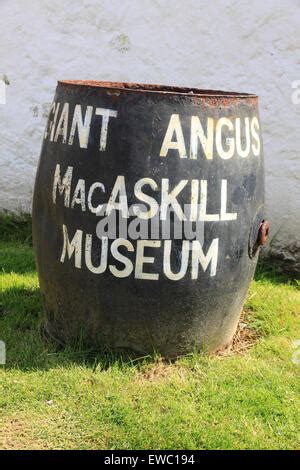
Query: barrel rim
x=157 y=89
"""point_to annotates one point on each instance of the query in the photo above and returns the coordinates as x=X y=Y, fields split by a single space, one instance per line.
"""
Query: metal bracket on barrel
x=261 y=238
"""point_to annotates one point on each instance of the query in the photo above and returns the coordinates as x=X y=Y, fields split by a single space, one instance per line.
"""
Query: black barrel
x=148 y=214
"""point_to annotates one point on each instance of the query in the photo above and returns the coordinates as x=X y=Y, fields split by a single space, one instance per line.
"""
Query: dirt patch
x=16 y=434
x=243 y=339
x=161 y=370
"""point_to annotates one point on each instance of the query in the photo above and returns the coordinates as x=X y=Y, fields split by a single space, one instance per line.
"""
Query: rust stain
x=213 y=97
x=263 y=232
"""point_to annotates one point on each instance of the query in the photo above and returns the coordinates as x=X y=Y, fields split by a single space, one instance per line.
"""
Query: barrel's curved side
x=170 y=316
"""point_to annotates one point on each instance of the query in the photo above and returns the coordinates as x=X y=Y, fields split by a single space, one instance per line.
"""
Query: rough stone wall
x=223 y=44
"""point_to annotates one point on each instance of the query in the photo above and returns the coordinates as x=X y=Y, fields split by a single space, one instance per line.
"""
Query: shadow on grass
x=29 y=347
x=269 y=269
x=17 y=258
x=15 y=228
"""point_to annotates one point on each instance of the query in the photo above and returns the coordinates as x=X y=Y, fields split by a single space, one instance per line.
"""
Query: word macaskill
x=85 y=248
x=228 y=136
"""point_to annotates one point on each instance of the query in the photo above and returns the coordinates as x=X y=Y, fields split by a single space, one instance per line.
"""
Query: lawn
x=50 y=398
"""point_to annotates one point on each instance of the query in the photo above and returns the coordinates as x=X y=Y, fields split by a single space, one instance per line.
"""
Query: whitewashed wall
x=222 y=44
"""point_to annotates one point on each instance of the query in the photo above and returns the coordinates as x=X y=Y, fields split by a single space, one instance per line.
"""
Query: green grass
x=75 y=399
